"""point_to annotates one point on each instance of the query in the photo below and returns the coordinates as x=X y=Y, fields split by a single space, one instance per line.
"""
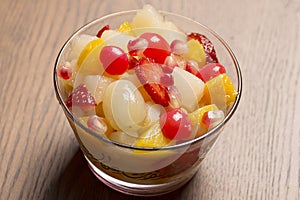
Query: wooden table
x=257 y=156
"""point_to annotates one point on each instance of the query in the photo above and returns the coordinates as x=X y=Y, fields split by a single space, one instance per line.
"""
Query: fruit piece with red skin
x=211 y=56
x=100 y=32
x=81 y=98
x=114 y=60
x=150 y=75
x=64 y=71
x=175 y=124
x=158 y=48
x=210 y=71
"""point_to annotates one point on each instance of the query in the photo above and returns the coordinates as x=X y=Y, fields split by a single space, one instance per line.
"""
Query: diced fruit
x=209 y=48
x=91 y=64
x=220 y=91
x=179 y=47
x=88 y=49
x=125 y=27
x=175 y=61
x=167 y=80
x=211 y=118
x=175 y=97
x=100 y=32
x=205 y=100
x=97 y=85
x=193 y=68
x=189 y=86
x=206 y=72
x=96 y=124
x=158 y=93
x=196 y=52
x=77 y=44
x=216 y=92
x=137 y=46
x=175 y=124
x=153 y=138
x=158 y=48
x=114 y=60
x=150 y=75
x=153 y=113
x=229 y=89
x=115 y=38
x=132 y=61
x=64 y=71
x=211 y=70
x=81 y=98
x=124 y=106
x=196 y=118
x=149 y=19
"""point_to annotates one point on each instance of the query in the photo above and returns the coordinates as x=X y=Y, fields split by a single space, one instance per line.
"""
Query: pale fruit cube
x=189 y=86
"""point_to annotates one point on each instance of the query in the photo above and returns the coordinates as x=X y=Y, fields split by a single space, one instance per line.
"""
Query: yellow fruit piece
x=220 y=91
x=153 y=138
x=196 y=52
x=196 y=118
x=205 y=100
x=229 y=89
x=88 y=49
x=91 y=64
x=125 y=27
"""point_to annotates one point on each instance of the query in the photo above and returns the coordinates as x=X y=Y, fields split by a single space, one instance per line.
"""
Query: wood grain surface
x=256 y=157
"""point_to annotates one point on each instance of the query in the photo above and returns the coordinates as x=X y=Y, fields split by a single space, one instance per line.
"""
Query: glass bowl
x=147 y=171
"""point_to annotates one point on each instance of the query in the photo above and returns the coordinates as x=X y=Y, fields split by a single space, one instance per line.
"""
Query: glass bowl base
x=138 y=189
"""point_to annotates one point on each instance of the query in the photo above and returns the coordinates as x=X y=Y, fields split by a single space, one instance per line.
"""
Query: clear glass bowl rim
x=180 y=145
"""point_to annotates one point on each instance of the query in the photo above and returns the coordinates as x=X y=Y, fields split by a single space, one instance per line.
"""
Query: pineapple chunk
x=149 y=19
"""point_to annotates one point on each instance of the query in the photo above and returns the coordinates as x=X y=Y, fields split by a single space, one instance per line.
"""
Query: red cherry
x=175 y=124
x=114 y=60
x=158 y=48
x=210 y=71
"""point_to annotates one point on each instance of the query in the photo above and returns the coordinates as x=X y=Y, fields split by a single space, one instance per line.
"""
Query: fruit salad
x=146 y=83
